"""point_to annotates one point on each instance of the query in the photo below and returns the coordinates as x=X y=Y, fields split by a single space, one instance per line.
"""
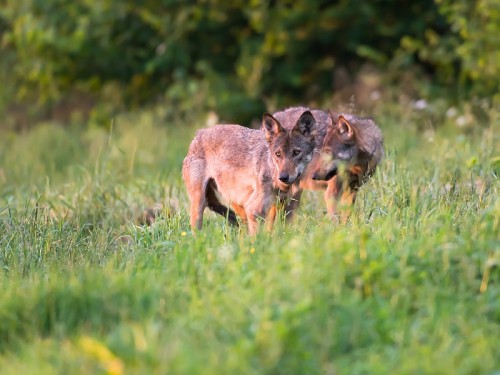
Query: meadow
x=410 y=285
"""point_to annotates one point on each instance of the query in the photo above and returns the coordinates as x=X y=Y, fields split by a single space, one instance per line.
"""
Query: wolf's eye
x=278 y=153
x=296 y=152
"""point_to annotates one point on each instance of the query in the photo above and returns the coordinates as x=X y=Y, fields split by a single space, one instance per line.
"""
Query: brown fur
x=241 y=172
x=347 y=144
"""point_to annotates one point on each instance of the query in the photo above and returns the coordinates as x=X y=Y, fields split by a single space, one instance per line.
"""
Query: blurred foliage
x=233 y=56
x=470 y=51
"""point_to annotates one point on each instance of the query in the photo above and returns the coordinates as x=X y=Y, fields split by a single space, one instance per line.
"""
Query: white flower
x=451 y=112
x=461 y=121
x=375 y=95
x=420 y=104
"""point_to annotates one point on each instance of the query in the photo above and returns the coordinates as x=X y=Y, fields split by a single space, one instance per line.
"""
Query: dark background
x=68 y=60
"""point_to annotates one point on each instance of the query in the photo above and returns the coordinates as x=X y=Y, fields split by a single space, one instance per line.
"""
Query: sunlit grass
x=409 y=285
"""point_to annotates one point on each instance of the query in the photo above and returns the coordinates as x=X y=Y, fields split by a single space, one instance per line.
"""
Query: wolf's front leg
x=253 y=224
x=292 y=205
x=331 y=197
x=346 y=202
x=257 y=207
x=271 y=217
x=240 y=212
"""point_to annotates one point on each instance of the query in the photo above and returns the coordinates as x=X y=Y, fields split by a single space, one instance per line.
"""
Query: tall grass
x=409 y=285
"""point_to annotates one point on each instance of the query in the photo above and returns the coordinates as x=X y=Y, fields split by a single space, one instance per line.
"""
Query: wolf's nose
x=284 y=177
x=315 y=176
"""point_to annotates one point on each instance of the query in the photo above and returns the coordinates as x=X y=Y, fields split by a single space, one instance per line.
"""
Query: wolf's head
x=339 y=146
x=291 y=150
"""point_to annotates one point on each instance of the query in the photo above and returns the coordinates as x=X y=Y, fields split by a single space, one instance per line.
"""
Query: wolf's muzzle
x=330 y=174
x=284 y=177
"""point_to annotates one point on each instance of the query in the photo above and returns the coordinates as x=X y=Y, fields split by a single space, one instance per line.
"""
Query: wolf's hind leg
x=198 y=205
x=196 y=187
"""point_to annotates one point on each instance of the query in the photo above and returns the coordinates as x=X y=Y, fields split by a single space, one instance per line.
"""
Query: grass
x=410 y=285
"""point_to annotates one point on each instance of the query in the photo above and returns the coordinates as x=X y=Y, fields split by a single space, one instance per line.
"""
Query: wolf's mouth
x=291 y=182
x=331 y=174
x=283 y=187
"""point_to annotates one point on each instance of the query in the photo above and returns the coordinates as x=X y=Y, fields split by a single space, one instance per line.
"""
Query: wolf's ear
x=344 y=128
x=333 y=118
x=271 y=126
x=306 y=124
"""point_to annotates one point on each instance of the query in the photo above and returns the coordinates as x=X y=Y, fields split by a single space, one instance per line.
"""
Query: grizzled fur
x=344 y=142
x=237 y=171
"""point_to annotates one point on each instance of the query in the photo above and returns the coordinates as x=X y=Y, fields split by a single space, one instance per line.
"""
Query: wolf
x=348 y=150
x=241 y=172
x=350 y=153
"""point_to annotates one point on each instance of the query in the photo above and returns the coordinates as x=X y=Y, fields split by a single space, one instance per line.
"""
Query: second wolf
x=236 y=171
x=348 y=150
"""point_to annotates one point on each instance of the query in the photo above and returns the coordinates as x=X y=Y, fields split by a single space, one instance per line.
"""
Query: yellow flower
x=112 y=364
x=183 y=234
x=252 y=250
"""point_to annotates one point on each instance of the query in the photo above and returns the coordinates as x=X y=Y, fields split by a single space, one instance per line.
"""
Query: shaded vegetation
x=237 y=57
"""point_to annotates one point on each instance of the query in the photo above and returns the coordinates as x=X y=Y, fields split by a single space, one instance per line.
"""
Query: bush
x=467 y=52
x=237 y=54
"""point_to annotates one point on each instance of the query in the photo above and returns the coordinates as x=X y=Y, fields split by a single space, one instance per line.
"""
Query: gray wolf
x=348 y=150
x=241 y=172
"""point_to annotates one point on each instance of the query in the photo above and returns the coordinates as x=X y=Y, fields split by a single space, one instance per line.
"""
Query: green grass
x=410 y=285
